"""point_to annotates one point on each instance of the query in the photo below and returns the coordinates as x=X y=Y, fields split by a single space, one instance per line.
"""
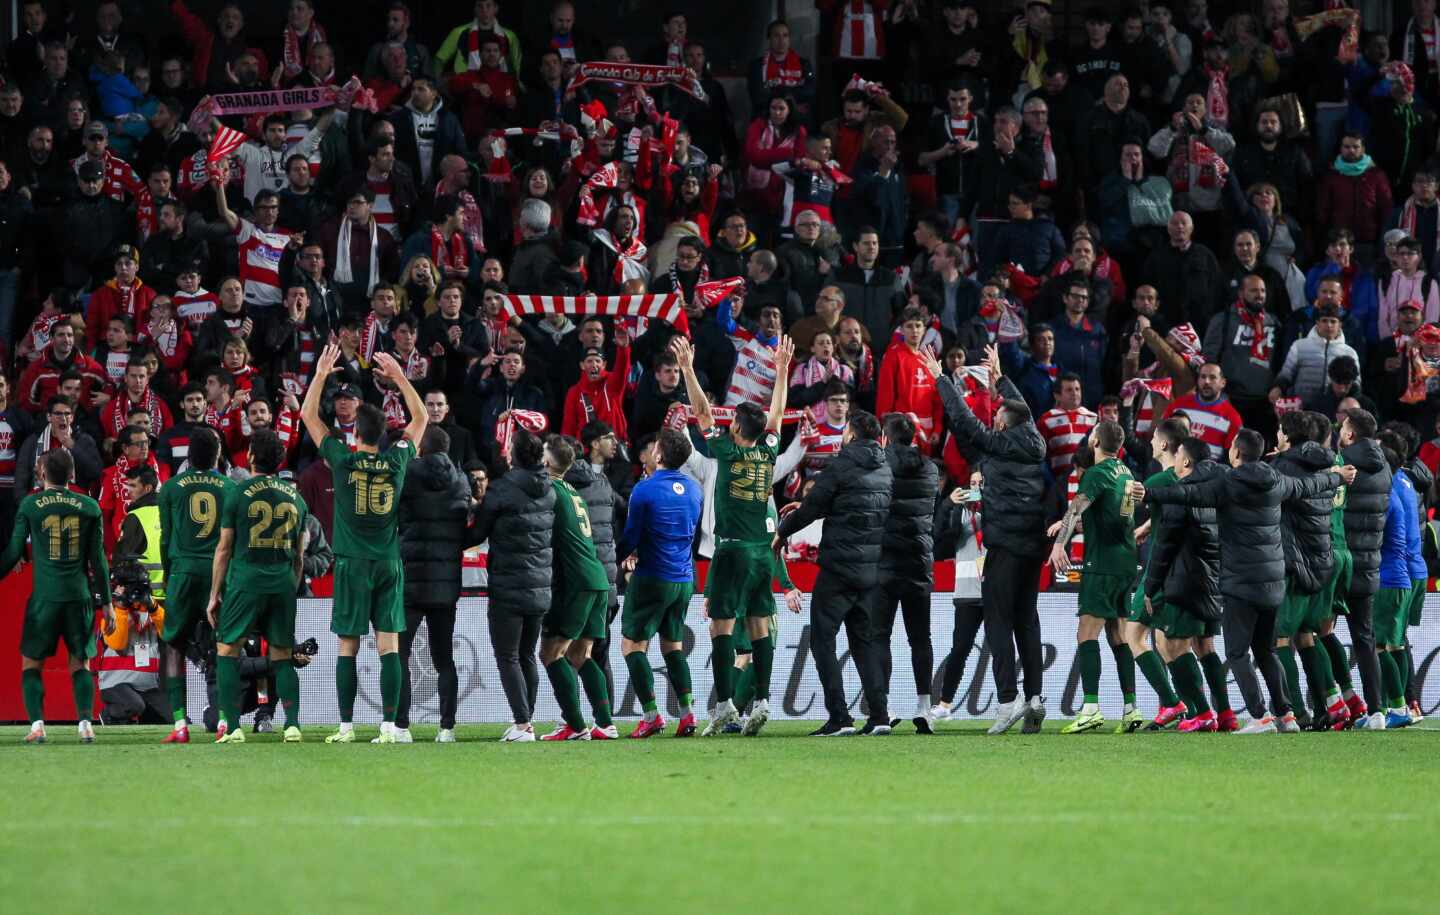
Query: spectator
x=1184 y=273
x=1034 y=373
x=460 y=50
x=952 y=142
x=1000 y=166
x=1410 y=282
x=904 y=386
x=41 y=380
x=870 y=293
x=1355 y=195
x=397 y=32
x=1272 y=159
x=777 y=136
x=780 y=70
x=500 y=393
x=1306 y=369
x=1244 y=260
x=1103 y=129
x=807 y=260
x=1027 y=240
x=1241 y=339
x=1342 y=383
x=861 y=113
x=391 y=189
x=1359 y=292
x=1080 y=344
x=535 y=254
x=363 y=253
x=1065 y=426
x=957 y=295
x=1132 y=208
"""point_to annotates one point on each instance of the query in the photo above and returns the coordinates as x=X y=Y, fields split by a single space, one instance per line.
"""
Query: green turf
x=957 y=822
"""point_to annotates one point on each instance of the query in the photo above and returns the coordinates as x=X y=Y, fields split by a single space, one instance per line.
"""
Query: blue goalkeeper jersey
x=660 y=526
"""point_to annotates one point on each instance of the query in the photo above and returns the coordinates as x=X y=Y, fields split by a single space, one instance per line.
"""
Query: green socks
x=1215 y=678
x=679 y=670
x=392 y=672
x=1316 y=661
x=1124 y=671
x=32 y=687
x=175 y=691
x=1339 y=663
x=1188 y=681
x=82 y=682
x=745 y=685
x=1088 y=655
x=1390 y=680
x=567 y=691
x=1154 y=670
x=642 y=679
x=287 y=685
x=346 y=685
x=227 y=688
x=1292 y=675
x=722 y=660
x=1402 y=667
x=597 y=691
x=762 y=663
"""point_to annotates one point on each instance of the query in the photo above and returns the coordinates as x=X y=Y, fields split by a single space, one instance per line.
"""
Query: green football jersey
x=574 y=550
x=1337 y=514
x=190 y=520
x=67 y=546
x=742 y=489
x=1109 y=522
x=366 y=489
x=268 y=517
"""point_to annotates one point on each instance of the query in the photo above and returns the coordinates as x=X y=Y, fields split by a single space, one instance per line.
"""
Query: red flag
x=226 y=142
x=710 y=294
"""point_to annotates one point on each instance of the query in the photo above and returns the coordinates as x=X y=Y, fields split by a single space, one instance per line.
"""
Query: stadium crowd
x=1221 y=212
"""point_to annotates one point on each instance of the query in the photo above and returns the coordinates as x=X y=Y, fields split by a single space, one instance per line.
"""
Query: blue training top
x=664 y=512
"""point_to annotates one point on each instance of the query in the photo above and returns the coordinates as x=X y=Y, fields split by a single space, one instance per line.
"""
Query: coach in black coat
x=1305 y=522
x=517 y=517
x=907 y=558
x=434 y=513
x=852 y=494
x=1011 y=458
x=1248 y=498
x=1366 y=502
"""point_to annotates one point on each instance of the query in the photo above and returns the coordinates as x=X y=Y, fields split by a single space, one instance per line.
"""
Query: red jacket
x=905 y=386
x=1361 y=204
x=603 y=399
x=112 y=498
x=105 y=304
x=42 y=379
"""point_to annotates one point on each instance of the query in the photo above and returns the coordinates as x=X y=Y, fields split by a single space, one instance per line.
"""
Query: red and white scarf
x=369 y=335
x=702 y=280
x=293 y=59
x=1261 y=344
x=629 y=257
x=40 y=331
x=149 y=403
x=812 y=372
x=472 y=45
x=789 y=72
x=166 y=342
x=1050 y=173
x=448 y=252
x=665 y=306
x=146 y=220
x=474 y=225
x=529 y=420
x=757 y=179
x=416 y=368
x=344 y=271
x=1217 y=95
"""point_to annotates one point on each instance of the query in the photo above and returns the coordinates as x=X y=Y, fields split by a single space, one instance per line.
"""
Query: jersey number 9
x=203 y=513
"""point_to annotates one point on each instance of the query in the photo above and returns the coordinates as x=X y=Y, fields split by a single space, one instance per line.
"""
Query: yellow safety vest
x=149 y=518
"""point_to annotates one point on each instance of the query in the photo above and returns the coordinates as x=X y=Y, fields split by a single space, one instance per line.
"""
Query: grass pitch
x=957 y=822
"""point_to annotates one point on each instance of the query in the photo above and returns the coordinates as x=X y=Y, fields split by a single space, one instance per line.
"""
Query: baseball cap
x=592 y=351
x=1411 y=304
x=90 y=171
x=97 y=128
x=348 y=390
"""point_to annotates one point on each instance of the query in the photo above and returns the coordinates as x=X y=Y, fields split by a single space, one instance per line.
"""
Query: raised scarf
x=1261 y=346
x=448 y=252
x=629 y=257
x=1217 y=94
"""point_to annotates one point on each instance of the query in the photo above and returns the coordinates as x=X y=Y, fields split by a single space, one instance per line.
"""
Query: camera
x=309 y=648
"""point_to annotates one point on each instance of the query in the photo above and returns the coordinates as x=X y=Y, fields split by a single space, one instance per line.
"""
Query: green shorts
x=1137 y=612
x=50 y=621
x=1294 y=609
x=1106 y=597
x=368 y=592
x=187 y=596
x=741 y=636
x=577 y=614
x=1417 y=602
x=1329 y=601
x=739 y=581
x=1178 y=623
x=1390 y=615
x=653 y=605
x=243 y=612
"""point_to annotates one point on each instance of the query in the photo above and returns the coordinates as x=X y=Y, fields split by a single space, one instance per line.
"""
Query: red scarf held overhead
x=294 y=61
x=1217 y=95
x=531 y=421
x=1261 y=345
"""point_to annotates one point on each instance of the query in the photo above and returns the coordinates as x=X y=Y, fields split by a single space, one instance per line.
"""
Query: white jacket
x=1304 y=373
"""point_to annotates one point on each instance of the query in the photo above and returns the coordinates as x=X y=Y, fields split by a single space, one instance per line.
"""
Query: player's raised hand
x=684 y=352
x=326 y=363
x=388 y=368
x=932 y=364
x=784 y=355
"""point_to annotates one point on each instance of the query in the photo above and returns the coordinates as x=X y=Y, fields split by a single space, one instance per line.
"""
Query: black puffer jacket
x=434 y=512
x=1247 y=499
x=1366 y=502
x=1423 y=481
x=1305 y=523
x=517 y=517
x=600 y=501
x=1013 y=463
x=852 y=494
x=907 y=554
x=1184 y=564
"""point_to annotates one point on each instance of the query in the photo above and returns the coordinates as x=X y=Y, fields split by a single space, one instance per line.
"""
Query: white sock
x=37 y=725
x=922 y=705
x=1129 y=707
x=346 y=727
x=1089 y=708
x=652 y=715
